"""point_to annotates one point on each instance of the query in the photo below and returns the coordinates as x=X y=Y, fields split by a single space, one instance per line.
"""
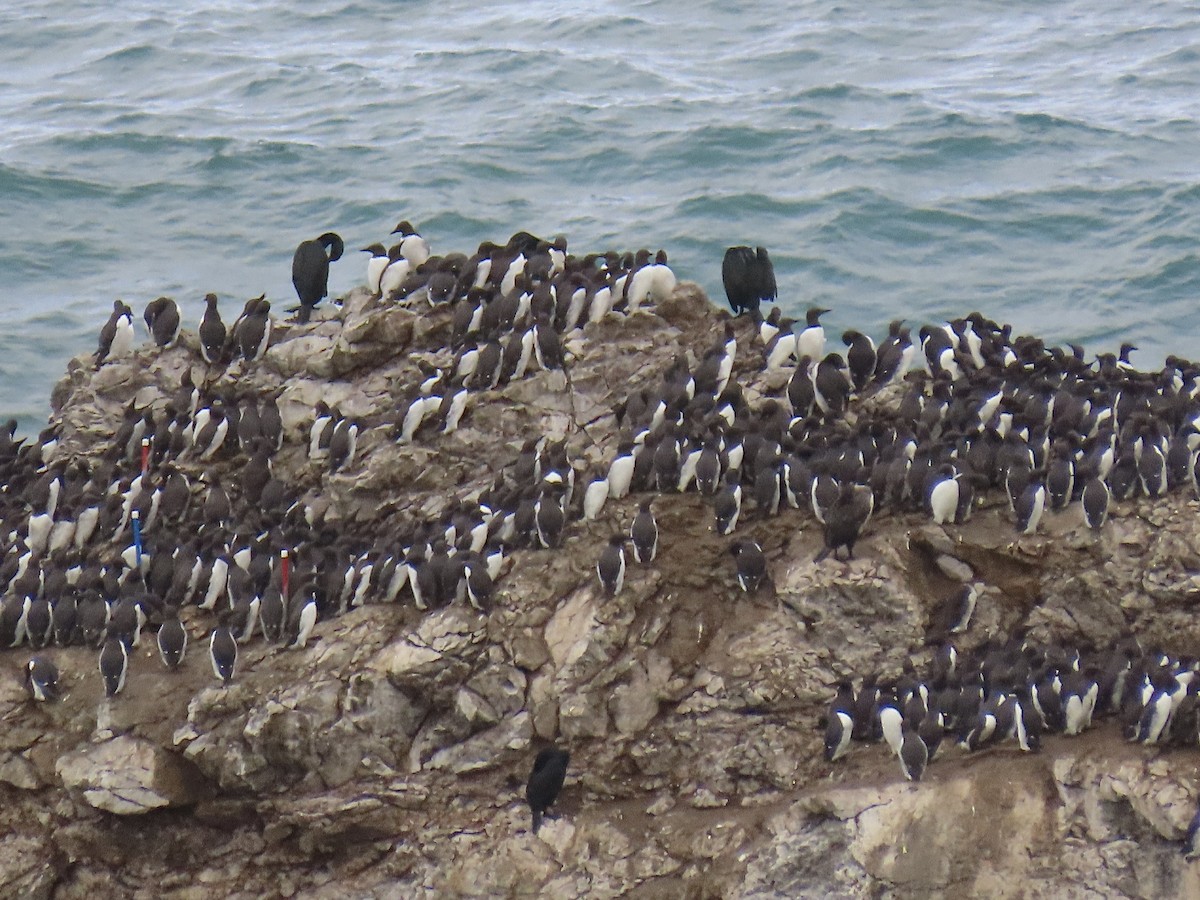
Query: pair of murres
x=610 y=569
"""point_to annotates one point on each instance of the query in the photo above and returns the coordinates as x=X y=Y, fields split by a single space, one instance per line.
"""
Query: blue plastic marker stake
x=137 y=538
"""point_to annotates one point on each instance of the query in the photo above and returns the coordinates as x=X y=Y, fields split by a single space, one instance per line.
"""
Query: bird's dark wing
x=737 y=274
x=766 y=276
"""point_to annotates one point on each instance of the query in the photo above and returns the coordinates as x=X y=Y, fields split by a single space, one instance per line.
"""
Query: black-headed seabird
x=162 y=321
x=223 y=654
x=611 y=567
x=751 y=564
x=375 y=266
x=252 y=332
x=644 y=533
x=116 y=337
x=41 y=679
x=172 y=641
x=913 y=755
x=114 y=664
x=212 y=331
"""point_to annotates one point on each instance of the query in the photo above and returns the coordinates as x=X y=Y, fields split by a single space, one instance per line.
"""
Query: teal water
x=1035 y=161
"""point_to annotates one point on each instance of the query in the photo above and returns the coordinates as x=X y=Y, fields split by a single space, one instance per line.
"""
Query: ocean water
x=1035 y=161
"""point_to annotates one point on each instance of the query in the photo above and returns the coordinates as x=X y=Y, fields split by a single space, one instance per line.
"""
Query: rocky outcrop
x=128 y=776
x=388 y=757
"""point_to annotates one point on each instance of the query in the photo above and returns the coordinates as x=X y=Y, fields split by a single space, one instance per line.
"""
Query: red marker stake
x=145 y=455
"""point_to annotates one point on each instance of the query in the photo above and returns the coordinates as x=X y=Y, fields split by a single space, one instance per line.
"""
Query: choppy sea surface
x=1035 y=161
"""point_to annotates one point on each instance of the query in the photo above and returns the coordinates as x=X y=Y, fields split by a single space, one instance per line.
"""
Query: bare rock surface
x=129 y=776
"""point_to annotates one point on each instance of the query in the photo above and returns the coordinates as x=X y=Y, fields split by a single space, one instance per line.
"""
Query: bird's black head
x=334 y=244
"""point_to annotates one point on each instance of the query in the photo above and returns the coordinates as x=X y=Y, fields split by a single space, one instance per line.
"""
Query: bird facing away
x=310 y=271
x=162 y=321
x=545 y=781
x=749 y=279
x=212 y=331
x=845 y=519
x=644 y=533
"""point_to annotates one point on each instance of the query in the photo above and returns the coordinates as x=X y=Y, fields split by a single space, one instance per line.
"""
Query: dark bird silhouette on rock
x=749 y=279
x=212 y=331
x=162 y=321
x=545 y=781
x=846 y=518
x=310 y=271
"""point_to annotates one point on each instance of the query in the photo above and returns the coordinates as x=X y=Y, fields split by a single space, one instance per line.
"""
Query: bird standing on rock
x=223 y=653
x=749 y=279
x=611 y=567
x=114 y=664
x=914 y=755
x=162 y=321
x=644 y=533
x=1096 y=497
x=310 y=271
x=545 y=782
x=375 y=266
x=810 y=341
x=413 y=247
x=172 y=641
x=252 y=332
x=861 y=357
x=839 y=726
x=751 y=564
x=845 y=519
x=41 y=679
x=212 y=331
x=116 y=337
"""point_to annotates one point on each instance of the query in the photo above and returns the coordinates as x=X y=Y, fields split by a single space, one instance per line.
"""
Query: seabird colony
x=184 y=508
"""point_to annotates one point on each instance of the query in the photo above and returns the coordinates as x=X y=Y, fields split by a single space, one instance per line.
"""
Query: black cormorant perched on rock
x=545 y=781
x=310 y=271
x=749 y=278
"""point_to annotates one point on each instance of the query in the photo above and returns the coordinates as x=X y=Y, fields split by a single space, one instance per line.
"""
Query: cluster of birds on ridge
x=978 y=408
